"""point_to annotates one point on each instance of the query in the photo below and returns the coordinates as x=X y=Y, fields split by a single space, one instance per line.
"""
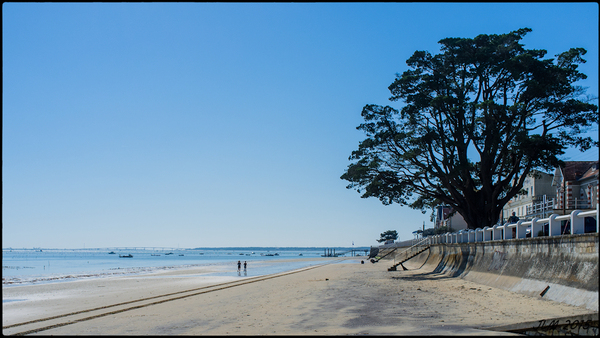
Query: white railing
x=424 y=241
x=497 y=232
x=543 y=208
x=573 y=203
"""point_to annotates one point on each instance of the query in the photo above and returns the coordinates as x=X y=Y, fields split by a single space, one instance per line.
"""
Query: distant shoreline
x=259 y=264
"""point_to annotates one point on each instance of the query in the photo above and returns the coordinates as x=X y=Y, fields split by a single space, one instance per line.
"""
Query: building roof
x=576 y=170
x=592 y=172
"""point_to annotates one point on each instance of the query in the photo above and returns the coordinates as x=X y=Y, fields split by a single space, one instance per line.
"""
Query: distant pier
x=331 y=252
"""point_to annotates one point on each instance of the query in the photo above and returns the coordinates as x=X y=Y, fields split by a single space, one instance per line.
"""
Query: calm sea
x=27 y=266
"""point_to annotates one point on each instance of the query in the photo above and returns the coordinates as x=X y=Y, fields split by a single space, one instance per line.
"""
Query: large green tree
x=477 y=119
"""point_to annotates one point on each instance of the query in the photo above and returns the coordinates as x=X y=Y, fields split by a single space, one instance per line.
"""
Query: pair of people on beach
x=240 y=265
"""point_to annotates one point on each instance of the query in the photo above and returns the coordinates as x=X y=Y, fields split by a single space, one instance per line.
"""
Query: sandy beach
x=342 y=298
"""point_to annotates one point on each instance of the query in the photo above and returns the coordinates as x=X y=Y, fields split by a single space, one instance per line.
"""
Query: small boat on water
x=154 y=255
x=111 y=253
x=126 y=256
x=168 y=253
x=300 y=255
x=180 y=254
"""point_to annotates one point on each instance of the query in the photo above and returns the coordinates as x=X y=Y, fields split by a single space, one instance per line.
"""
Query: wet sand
x=336 y=299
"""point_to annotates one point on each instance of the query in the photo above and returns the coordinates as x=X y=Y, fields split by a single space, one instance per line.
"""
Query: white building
x=443 y=218
x=538 y=201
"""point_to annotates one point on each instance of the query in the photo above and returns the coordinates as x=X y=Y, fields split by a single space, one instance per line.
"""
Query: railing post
x=478 y=235
x=521 y=229
x=487 y=233
x=597 y=215
x=534 y=228
x=497 y=232
x=577 y=223
x=553 y=226
x=508 y=231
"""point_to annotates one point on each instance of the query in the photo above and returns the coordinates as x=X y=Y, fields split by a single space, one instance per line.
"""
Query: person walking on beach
x=239 y=266
x=244 y=265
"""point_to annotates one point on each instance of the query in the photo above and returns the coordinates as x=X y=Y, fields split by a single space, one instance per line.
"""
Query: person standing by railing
x=511 y=220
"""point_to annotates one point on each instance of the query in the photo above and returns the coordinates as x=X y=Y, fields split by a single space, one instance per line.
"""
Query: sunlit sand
x=341 y=298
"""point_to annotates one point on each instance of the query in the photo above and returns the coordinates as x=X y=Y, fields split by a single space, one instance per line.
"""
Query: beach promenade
x=345 y=297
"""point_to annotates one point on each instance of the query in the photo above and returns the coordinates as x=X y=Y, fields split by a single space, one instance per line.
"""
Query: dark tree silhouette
x=477 y=119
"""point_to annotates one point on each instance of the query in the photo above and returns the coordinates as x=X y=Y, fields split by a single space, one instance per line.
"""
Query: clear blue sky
x=211 y=125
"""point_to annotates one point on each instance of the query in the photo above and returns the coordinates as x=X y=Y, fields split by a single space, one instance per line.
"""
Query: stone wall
x=562 y=268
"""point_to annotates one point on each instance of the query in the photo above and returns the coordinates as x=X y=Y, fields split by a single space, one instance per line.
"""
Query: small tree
x=388 y=235
x=428 y=232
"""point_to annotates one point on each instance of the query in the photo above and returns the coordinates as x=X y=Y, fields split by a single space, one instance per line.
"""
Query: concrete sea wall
x=560 y=268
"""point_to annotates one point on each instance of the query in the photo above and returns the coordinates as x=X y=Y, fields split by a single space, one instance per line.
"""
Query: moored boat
x=126 y=256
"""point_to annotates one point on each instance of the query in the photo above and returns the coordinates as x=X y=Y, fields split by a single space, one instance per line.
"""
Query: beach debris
x=545 y=290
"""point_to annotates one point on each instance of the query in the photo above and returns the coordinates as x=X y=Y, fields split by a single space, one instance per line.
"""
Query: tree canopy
x=476 y=120
x=388 y=235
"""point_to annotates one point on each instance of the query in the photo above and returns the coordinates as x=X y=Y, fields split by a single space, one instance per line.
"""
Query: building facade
x=576 y=186
x=444 y=219
x=538 y=201
x=572 y=187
